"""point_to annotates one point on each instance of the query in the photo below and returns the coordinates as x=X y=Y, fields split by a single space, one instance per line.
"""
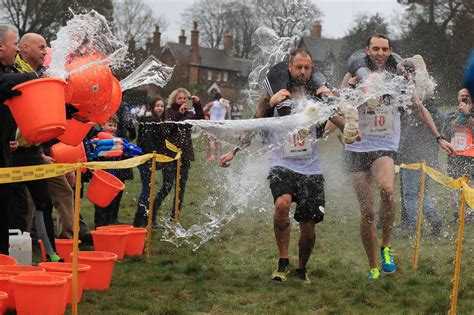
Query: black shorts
x=362 y=161
x=460 y=165
x=306 y=190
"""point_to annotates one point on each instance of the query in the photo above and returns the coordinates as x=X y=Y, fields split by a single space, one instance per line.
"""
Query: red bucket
x=39 y=294
x=102 y=267
x=135 y=241
x=40 y=110
x=64 y=248
x=67 y=288
x=75 y=131
x=103 y=188
x=101 y=112
x=110 y=241
x=88 y=83
x=7 y=260
x=82 y=273
x=64 y=153
x=110 y=227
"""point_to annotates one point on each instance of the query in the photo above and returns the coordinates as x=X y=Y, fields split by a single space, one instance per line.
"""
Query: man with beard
x=295 y=168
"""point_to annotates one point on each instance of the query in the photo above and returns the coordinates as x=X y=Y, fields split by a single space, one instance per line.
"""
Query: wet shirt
x=380 y=128
x=295 y=150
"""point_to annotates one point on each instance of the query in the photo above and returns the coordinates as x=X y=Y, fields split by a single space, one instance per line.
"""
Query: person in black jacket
x=8 y=79
x=151 y=137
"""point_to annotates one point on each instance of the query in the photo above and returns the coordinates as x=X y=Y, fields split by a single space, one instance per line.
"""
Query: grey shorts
x=362 y=161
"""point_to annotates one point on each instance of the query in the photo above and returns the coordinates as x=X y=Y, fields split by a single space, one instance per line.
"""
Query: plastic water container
x=20 y=247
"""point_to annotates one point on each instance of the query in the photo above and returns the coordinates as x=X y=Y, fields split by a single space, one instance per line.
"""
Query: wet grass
x=230 y=274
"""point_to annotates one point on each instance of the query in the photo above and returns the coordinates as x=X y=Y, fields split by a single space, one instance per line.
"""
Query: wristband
x=235 y=150
x=439 y=138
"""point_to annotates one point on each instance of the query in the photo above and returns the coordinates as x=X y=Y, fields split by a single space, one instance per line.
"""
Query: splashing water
x=151 y=71
x=244 y=183
x=85 y=34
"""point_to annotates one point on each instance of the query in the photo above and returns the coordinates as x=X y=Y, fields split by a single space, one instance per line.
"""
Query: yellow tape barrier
x=467 y=197
x=27 y=173
x=445 y=180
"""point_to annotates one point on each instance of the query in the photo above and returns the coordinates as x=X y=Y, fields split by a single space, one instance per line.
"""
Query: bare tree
x=134 y=19
x=287 y=17
x=33 y=15
x=210 y=15
x=242 y=22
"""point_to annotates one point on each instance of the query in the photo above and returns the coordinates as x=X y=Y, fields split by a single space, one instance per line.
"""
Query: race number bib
x=297 y=146
x=459 y=141
x=381 y=122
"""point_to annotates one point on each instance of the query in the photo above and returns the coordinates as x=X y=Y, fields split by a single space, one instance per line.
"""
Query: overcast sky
x=338 y=14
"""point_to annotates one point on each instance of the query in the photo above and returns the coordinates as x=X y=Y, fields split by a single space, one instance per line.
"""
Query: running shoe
x=282 y=270
x=374 y=274
x=388 y=264
x=302 y=273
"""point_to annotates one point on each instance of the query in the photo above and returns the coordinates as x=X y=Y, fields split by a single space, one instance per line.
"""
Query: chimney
x=316 y=29
x=195 y=44
x=157 y=38
x=194 y=64
x=182 y=38
x=228 y=43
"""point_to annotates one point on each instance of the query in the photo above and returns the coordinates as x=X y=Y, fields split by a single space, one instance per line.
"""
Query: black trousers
x=5 y=192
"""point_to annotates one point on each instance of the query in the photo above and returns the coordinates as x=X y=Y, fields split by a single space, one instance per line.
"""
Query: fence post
x=75 y=246
x=457 y=262
x=150 y=205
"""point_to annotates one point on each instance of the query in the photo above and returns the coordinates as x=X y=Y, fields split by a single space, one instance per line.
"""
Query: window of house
x=219 y=76
x=225 y=76
x=209 y=75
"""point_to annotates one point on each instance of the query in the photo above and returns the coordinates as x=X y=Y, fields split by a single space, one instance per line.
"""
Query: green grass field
x=231 y=273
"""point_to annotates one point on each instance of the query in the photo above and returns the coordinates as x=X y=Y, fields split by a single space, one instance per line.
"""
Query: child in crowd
x=151 y=137
x=108 y=215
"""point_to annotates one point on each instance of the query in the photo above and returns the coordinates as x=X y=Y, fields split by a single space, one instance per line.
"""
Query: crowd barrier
x=466 y=197
x=27 y=173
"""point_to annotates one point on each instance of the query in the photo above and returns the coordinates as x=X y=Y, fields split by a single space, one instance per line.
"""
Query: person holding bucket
x=8 y=49
x=24 y=153
x=108 y=215
x=31 y=57
x=9 y=77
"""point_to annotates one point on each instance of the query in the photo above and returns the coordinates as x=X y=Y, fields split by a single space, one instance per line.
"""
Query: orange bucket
x=75 y=131
x=39 y=294
x=64 y=248
x=101 y=112
x=40 y=110
x=7 y=260
x=135 y=241
x=102 y=267
x=67 y=287
x=64 y=153
x=118 y=226
x=82 y=273
x=110 y=241
x=18 y=269
x=103 y=188
x=3 y=301
x=92 y=84
x=6 y=286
